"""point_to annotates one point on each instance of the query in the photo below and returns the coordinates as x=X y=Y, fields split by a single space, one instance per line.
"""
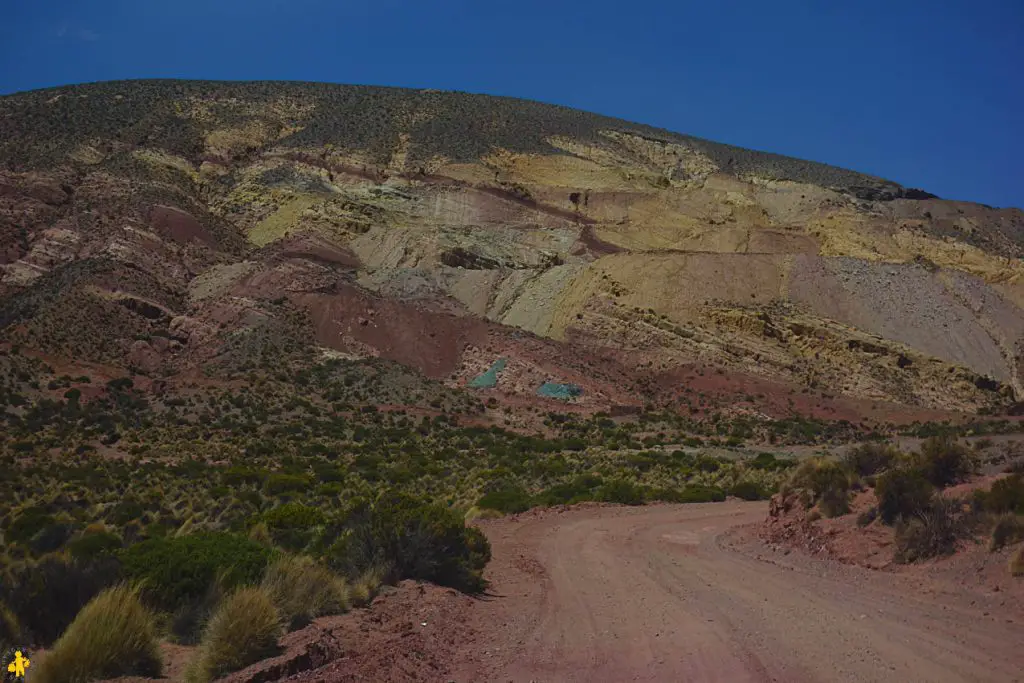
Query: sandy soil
x=687 y=593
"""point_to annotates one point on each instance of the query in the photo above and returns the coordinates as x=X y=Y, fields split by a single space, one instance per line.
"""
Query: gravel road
x=682 y=593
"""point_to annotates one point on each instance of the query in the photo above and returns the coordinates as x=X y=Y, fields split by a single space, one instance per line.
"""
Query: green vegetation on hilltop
x=176 y=115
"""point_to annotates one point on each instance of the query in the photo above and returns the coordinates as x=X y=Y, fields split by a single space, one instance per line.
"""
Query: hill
x=153 y=224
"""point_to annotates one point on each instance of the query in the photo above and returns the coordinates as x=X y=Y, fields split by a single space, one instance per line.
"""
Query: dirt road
x=677 y=593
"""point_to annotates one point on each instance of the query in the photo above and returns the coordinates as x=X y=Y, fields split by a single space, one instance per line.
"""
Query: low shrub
x=10 y=629
x=867 y=517
x=621 y=492
x=243 y=630
x=507 y=500
x=113 y=635
x=45 y=596
x=1017 y=562
x=180 y=570
x=293 y=526
x=93 y=545
x=748 y=490
x=302 y=589
x=902 y=493
x=699 y=493
x=870 y=458
x=827 y=484
x=578 y=490
x=932 y=532
x=1006 y=495
x=413 y=540
x=1007 y=530
x=278 y=484
x=944 y=461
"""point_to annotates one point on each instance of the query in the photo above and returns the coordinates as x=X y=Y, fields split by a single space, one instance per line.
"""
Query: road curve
x=667 y=593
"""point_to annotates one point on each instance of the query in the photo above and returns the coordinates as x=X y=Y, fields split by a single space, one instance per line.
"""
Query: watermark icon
x=18 y=666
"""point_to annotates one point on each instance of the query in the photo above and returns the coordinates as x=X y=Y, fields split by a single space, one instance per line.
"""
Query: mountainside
x=189 y=230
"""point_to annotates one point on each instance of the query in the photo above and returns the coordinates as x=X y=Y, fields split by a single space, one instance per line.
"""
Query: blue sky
x=929 y=94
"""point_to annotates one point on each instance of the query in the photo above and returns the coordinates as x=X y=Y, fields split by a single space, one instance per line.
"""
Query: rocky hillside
x=177 y=228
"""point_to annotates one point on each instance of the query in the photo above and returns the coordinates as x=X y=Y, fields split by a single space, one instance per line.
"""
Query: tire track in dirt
x=677 y=593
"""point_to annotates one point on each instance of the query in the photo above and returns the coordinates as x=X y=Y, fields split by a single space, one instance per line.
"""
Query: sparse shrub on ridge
x=113 y=635
x=244 y=629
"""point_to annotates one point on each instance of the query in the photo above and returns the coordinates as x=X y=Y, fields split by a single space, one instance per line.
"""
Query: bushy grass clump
x=243 y=630
x=303 y=589
x=114 y=635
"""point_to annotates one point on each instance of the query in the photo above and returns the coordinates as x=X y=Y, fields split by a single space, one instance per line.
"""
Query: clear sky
x=929 y=93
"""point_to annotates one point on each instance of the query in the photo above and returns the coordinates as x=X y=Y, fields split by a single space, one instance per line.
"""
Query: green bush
x=827 y=484
x=277 y=484
x=243 y=630
x=870 y=458
x=113 y=635
x=933 y=532
x=93 y=545
x=944 y=461
x=293 y=526
x=506 y=500
x=620 y=491
x=180 y=570
x=45 y=596
x=1017 y=562
x=10 y=629
x=902 y=493
x=694 y=493
x=1008 y=529
x=1006 y=495
x=578 y=490
x=411 y=539
x=27 y=524
x=301 y=590
x=747 y=490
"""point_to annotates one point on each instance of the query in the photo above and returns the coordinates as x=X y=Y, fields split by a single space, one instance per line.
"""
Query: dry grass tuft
x=302 y=589
x=113 y=635
x=243 y=630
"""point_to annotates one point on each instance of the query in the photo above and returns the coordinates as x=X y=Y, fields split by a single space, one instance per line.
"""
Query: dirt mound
x=408 y=634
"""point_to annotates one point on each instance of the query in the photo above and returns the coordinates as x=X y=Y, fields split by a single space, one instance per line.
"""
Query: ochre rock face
x=447 y=230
